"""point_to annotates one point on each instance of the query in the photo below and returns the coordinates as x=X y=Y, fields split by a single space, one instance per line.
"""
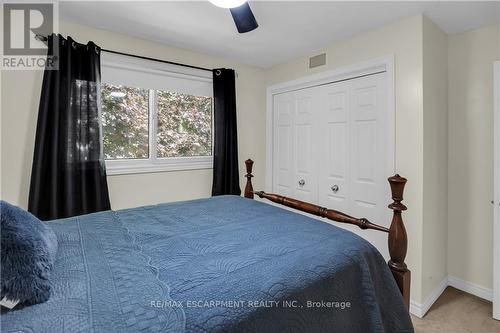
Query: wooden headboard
x=397 y=239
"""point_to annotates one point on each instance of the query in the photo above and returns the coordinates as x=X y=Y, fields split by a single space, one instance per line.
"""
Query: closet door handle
x=302 y=182
x=335 y=188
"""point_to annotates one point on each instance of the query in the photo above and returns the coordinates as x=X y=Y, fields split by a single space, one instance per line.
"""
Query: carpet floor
x=457 y=312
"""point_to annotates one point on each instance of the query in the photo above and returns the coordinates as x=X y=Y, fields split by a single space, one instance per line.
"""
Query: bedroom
x=432 y=66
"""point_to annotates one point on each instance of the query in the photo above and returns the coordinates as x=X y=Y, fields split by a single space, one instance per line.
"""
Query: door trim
x=343 y=73
x=496 y=192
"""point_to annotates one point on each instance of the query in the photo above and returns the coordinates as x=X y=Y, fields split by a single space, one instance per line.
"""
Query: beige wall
x=470 y=173
x=402 y=39
x=20 y=95
x=435 y=219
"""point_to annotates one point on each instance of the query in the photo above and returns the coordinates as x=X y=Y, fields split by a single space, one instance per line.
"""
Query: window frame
x=154 y=163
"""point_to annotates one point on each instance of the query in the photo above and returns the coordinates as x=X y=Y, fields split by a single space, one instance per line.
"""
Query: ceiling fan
x=241 y=12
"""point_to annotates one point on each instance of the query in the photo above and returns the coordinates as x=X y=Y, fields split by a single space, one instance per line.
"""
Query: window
x=125 y=122
x=155 y=116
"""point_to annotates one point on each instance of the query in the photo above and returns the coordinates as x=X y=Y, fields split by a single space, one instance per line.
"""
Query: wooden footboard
x=398 y=241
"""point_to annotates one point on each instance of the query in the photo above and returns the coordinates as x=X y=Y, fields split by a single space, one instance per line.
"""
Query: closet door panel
x=284 y=109
x=305 y=153
x=368 y=147
x=334 y=142
x=331 y=148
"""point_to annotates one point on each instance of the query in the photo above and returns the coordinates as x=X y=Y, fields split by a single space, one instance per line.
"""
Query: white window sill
x=124 y=167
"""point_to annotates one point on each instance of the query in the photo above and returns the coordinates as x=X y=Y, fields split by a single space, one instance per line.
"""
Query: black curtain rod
x=158 y=60
x=45 y=39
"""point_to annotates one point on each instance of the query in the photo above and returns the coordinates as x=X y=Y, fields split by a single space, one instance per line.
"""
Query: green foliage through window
x=183 y=127
x=125 y=120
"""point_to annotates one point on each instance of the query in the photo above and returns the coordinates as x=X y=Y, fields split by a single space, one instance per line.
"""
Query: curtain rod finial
x=41 y=38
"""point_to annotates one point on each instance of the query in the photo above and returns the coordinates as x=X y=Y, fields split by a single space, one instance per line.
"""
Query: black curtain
x=226 y=173
x=68 y=176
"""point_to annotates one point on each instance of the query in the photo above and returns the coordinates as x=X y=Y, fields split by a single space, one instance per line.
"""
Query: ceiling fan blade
x=243 y=18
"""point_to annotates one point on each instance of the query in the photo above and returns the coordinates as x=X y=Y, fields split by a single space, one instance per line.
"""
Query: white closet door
x=369 y=119
x=284 y=109
x=353 y=145
x=305 y=145
x=334 y=146
x=331 y=148
x=353 y=166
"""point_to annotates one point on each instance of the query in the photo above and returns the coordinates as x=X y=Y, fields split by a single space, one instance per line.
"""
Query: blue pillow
x=28 y=250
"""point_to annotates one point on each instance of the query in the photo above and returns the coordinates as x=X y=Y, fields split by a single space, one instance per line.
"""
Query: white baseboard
x=419 y=310
x=471 y=288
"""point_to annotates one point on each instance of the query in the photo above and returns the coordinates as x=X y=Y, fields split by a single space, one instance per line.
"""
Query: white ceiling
x=287 y=29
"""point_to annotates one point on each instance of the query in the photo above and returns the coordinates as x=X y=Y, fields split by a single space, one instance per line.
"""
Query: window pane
x=125 y=122
x=184 y=125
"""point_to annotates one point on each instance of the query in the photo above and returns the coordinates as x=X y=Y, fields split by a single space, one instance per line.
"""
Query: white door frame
x=496 y=195
x=360 y=69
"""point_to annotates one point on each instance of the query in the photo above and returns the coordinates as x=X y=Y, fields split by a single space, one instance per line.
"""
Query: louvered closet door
x=283 y=174
x=305 y=144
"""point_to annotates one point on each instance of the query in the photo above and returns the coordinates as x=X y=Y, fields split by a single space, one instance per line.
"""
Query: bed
x=224 y=264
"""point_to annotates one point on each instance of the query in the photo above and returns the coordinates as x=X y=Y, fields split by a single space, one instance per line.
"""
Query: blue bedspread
x=225 y=264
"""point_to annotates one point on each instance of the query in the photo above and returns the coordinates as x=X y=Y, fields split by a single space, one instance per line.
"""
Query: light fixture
x=228 y=3
x=117 y=94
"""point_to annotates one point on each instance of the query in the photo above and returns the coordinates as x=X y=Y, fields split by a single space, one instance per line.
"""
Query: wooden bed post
x=398 y=240
x=248 y=176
